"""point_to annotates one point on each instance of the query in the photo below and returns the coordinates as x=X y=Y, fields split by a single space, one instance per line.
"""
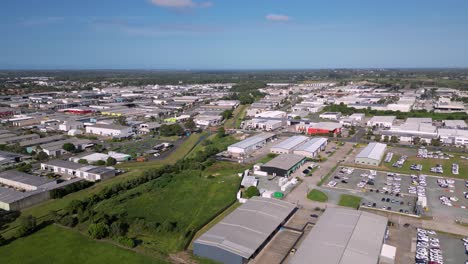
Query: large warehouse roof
x=313 y=145
x=343 y=236
x=252 y=140
x=21 y=177
x=372 y=151
x=291 y=142
x=284 y=161
x=243 y=231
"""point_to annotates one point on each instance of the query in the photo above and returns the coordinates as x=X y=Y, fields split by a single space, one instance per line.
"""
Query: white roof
x=248 y=142
x=382 y=119
x=455 y=123
x=312 y=146
x=372 y=151
x=388 y=251
x=291 y=142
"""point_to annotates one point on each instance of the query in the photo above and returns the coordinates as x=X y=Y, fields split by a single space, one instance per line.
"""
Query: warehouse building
x=343 y=236
x=243 y=233
x=115 y=131
x=24 y=181
x=288 y=145
x=311 y=148
x=283 y=165
x=249 y=145
x=372 y=154
x=381 y=121
x=72 y=170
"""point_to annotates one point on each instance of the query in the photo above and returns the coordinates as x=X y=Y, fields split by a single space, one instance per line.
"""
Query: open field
x=318 y=196
x=349 y=201
x=42 y=210
x=55 y=244
x=217 y=142
x=186 y=201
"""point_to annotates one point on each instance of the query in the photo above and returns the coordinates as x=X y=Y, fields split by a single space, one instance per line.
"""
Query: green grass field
x=428 y=163
x=135 y=169
x=57 y=245
x=190 y=199
x=218 y=142
x=349 y=201
x=318 y=196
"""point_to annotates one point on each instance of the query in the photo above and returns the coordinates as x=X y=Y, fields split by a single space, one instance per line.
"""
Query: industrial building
x=283 y=165
x=288 y=145
x=24 y=181
x=311 y=148
x=323 y=128
x=243 y=233
x=344 y=236
x=72 y=170
x=249 y=145
x=421 y=128
x=115 y=131
x=330 y=115
x=95 y=157
x=372 y=154
x=381 y=121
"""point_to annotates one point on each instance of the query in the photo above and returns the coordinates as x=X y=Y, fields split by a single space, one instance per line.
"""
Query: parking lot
x=379 y=191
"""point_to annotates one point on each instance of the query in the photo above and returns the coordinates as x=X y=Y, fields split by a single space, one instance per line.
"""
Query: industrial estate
x=318 y=171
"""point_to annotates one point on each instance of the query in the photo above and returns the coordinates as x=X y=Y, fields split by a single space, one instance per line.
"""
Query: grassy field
x=236 y=119
x=57 y=245
x=349 y=201
x=428 y=163
x=133 y=147
x=318 y=196
x=189 y=200
x=135 y=169
x=220 y=143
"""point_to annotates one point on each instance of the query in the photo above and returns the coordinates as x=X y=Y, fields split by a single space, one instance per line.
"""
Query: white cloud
x=180 y=3
x=277 y=17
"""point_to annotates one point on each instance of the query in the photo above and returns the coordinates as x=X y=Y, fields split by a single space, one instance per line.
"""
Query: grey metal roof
x=372 y=151
x=25 y=178
x=65 y=164
x=9 y=195
x=291 y=142
x=252 y=140
x=244 y=230
x=284 y=161
x=343 y=236
x=313 y=145
x=38 y=141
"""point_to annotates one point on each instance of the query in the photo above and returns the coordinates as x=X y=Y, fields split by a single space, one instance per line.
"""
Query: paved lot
x=442 y=211
x=374 y=195
x=278 y=248
x=453 y=249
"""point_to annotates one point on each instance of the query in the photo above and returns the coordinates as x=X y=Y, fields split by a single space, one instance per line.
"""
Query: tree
x=100 y=163
x=226 y=114
x=385 y=139
x=41 y=156
x=27 y=226
x=416 y=140
x=111 y=161
x=121 y=120
x=25 y=167
x=68 y=220
x=118 y=229
x=171 y=130
x=98 y=231
x=190 y=124
x=251 y=192
x=435 y=142
x=221 y=132
x=377 y=138
x=394 y=139
x=83 y=161
x=297 y=118
x=69 y=147
x=352 y=130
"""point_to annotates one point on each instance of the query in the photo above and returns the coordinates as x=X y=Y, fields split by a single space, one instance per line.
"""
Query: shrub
x=251 y=192
x=98 y=231
x=27 y=226
x=126 y=242
x=68 y=220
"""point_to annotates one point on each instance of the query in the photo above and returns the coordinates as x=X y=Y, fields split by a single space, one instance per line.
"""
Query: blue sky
x=236 y=34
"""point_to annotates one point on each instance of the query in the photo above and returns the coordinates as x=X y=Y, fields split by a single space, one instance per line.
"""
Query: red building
x=320 y=128
x=5 y=111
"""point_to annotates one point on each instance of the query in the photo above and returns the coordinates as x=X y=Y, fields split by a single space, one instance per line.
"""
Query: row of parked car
x=417 y=167
x=400 y=162
x=388 y=157
x=437 y=169
x=428 y=248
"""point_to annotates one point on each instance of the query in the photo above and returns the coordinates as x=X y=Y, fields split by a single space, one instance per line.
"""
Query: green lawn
x=218 y=142
x=189 y=199
x=349 y=201
x=267 y=158
x=57 y=245
x=428 y=163
x=318 y=196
